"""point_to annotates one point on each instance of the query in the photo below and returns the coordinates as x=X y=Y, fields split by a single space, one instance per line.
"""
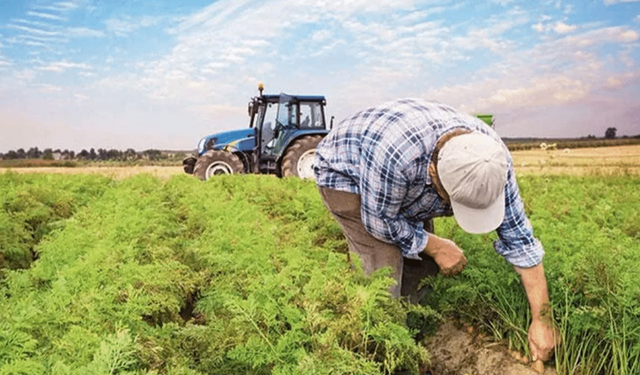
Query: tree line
x=93 y=154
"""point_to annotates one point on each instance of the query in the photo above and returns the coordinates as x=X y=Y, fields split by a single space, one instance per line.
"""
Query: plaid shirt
x=383 y=154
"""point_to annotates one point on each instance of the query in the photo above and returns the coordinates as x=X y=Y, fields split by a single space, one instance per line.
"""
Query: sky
x=160 y=74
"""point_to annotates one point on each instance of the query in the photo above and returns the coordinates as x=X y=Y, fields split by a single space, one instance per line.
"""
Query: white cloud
x=83 y=32
x=558 y=27
x=554 y=74
x=48 y=16
x=125 y=25
x=48 y=88
x=563 y=28
x=621 y=80
x=504 y=3
x=321 y=35
x=32 y=30
x=61 y=66
x=611 y=2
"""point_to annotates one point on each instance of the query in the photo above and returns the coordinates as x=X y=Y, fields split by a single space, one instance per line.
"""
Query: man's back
x=400 y=134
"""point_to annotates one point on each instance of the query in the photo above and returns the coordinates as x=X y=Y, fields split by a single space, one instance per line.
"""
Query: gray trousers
x=375 y=254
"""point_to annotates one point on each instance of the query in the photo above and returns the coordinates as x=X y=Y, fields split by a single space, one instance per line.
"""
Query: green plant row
x=239 y=275
x=32 y=206
x=590 y=229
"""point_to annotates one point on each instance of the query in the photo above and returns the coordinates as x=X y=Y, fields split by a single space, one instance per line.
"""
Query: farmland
x=149 y=271
x=579 y=161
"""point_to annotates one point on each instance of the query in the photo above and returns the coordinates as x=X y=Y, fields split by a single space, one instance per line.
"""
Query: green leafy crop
x=590 y=229
x=249 y=275
x=240 y=275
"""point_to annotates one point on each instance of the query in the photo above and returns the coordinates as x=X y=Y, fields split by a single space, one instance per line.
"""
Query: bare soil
x=456 y=352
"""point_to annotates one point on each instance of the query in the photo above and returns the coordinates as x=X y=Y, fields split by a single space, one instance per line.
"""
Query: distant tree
x=152 y=154
x=11 y=154
x=92 y=154
x=610 y=133
x=21 y=154
x=47 y=154
x=34 y=153
x=130 y=154
x=84 y=154
x=114 y=154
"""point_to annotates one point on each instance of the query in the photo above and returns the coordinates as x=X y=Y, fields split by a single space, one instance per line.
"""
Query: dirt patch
x=455 y=352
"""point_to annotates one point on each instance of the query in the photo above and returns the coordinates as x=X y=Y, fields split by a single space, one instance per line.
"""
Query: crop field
x=120 y=272
x=616 y=160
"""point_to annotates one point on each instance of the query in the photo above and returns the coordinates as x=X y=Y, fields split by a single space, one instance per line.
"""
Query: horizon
x=81 y=74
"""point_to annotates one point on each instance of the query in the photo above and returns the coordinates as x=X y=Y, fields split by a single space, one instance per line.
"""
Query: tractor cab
x=279 y=120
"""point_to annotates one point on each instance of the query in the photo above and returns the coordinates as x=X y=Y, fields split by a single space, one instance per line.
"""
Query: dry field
x=580 y=161
x=614 y=160
x=115 y=172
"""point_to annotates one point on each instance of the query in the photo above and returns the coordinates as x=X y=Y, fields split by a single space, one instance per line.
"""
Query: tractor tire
x=215 y=162
x=298 y=161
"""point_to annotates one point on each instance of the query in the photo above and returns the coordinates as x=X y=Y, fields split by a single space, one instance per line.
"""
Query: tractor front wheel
x=215 y=162
x=298 y=161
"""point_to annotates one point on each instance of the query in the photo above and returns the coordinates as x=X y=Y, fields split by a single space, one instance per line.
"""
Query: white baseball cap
x=473 y=170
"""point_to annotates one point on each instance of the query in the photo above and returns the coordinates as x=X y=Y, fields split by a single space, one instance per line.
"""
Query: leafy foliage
x=234 y=276
x=32 y=206
x=248 y=275
x=590 y=228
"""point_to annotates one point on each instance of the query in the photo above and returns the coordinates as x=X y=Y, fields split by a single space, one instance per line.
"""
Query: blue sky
x=160 y=74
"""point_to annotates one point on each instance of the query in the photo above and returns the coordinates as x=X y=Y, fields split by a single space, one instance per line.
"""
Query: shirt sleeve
x=383 y=187
x=516 y=242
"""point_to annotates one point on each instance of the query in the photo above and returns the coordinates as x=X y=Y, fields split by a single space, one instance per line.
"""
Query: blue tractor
x=281 y=139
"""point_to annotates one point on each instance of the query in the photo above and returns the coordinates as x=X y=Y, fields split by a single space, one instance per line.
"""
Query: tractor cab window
x=311 y=115
x=287 y=114
x=269 y=126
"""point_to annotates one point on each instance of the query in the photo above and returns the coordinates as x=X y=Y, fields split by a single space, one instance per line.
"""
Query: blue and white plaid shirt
x=383 y=154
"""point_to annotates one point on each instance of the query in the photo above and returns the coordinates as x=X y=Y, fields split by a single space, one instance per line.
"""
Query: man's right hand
x=449 y=257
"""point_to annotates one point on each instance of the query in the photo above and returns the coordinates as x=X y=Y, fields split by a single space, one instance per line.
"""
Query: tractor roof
x=302 y=98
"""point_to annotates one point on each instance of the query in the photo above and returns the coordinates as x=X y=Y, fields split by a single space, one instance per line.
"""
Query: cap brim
x=474 y=220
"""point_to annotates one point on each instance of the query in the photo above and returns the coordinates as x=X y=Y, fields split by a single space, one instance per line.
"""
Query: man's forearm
x=535 y=285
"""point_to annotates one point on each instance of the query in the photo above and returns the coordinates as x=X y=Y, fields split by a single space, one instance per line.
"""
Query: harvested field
x=581 y=161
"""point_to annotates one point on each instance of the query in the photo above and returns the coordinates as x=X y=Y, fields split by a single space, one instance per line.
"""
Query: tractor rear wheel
x=215 y=162
x=298 y=161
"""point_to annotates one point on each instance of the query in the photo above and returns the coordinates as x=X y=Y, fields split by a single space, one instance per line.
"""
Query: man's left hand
x=542 y=340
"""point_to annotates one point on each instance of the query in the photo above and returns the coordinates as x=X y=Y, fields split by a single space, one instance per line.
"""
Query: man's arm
x=520 y=248
x=541 y=333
